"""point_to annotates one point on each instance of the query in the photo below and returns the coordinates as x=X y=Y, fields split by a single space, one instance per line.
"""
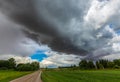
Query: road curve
x=34 y=77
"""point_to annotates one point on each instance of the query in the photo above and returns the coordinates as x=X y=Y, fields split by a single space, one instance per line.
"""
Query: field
x=8 y=75
x=81 y=76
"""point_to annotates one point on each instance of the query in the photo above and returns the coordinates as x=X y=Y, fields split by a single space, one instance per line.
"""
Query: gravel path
x=34 y=77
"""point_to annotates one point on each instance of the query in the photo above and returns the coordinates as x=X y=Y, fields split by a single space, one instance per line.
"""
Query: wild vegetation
x=7 y=64
x=11 y=64
x=100 y=64
x=9 y=70
x=28 y=66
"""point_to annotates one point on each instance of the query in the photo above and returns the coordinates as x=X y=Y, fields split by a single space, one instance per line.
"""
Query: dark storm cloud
x=70 y=26
x=25 y=12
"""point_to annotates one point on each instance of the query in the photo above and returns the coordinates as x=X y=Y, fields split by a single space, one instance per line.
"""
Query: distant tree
x=4 y=64
x=46 y=68
x=117 y=62
x=25 y=67
x=20 y=64
x=104 y=63
x=116 y=67
x=101 y=66
x=28 y=66
x=110 y=64
x=12 y=63
x=90 y=65
x=83 y=64
x=74 y=66
x=97 y=65
x=35 y=65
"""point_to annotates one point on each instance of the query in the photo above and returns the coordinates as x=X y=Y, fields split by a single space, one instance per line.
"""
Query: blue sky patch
x=39 y=55
x=52 y=66
x=111 y=25
x=118 y=32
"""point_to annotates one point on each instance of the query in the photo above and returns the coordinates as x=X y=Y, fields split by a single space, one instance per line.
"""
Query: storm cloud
x=82 y=27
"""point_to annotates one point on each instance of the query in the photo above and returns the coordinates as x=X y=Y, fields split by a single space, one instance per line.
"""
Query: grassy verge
x=81 y=76
x=8 y=75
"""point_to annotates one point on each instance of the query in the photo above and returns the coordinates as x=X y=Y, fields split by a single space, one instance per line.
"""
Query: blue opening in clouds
x=111 y=25
x=118 y=32
x=39 y=55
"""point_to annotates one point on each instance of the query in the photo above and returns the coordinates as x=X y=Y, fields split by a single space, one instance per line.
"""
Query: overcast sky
x=66 y=31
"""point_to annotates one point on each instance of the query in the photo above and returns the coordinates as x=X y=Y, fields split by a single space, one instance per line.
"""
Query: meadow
x=81 y=76
x=8 y=75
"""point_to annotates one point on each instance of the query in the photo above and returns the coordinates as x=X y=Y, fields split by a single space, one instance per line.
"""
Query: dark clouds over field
x=88 y=28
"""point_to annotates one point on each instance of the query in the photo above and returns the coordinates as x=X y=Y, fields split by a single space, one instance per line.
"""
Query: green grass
x=8 y=75
x=82 y=76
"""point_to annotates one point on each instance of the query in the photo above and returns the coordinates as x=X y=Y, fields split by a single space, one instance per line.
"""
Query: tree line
x=83 y=64
x=100 y=64
x=11 y=64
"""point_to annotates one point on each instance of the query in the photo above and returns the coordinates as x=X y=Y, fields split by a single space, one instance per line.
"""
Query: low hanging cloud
x=55 y=60
x=82 y=27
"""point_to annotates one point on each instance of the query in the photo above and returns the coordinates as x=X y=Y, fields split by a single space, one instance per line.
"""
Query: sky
x=59 y=32
x=39 y=55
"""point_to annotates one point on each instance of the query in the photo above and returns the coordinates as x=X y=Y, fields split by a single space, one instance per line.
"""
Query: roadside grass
x=81 y=76
x=8 y=75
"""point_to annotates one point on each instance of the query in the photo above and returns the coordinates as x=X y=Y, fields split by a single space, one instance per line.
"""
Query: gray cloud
x=81 y=27
x=13 y=40
x=25 y=14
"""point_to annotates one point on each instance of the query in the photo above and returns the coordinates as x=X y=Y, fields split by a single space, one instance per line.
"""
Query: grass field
x=81 y=76
x=8 y=75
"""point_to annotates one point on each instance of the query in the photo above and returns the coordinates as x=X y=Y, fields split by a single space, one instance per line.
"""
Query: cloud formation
x=88 y=28
x=14 y=41
x=55 y=60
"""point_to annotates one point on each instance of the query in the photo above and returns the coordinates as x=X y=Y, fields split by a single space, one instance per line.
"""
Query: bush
x=83 y=64
x=117 y=67
x=3 y=68
x=28 y=67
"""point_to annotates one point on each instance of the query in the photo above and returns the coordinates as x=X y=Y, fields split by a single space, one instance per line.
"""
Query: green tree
x=12 y=63
x=117 y=67
x=83 y=64
x=110 y=64
x=99 y=65
x=117 y=62
x=4 y=64
x=28 y=66
x=36 y=65
x=90 y=65
x=104 y=63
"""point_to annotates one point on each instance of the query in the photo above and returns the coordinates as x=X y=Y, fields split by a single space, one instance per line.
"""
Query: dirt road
x=34 y=77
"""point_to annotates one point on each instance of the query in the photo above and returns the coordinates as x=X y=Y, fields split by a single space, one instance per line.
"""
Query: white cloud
x=57 y=59
x=112 y=57
x=18 y=59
